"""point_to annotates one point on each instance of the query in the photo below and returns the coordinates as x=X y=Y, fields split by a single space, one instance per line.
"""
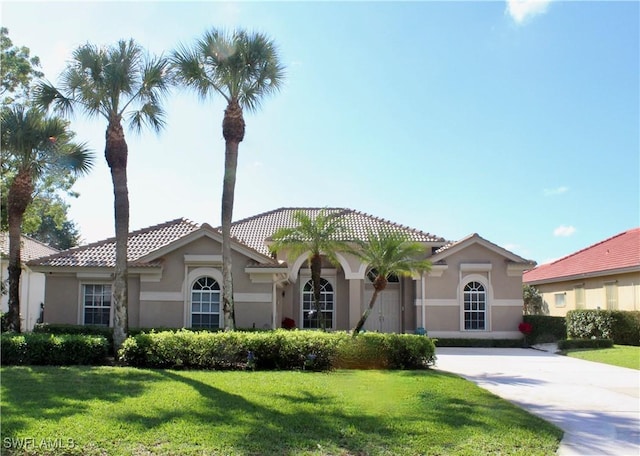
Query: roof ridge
x=281 y=209
x=39 y=242
x=399 y=225
x=592 y=246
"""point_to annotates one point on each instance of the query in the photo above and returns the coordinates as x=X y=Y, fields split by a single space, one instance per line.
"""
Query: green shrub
x=546 y=328
x=621 y=326
x=279 y=349
x=479 y=343
x=50 y=349
x=569 y=344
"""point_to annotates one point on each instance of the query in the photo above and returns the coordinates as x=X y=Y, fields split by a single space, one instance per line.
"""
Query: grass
x=619 y=355
x=118 y=411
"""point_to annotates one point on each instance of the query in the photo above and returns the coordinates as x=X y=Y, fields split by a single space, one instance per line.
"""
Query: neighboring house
x=605 y=275
x=31 y=283
x=175 y=280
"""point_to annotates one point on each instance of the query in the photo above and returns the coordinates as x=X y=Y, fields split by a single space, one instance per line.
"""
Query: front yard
x=619 y=355
x=124 y=411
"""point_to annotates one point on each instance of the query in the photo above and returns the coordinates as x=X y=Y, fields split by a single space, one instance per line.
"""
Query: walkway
x=596 y=405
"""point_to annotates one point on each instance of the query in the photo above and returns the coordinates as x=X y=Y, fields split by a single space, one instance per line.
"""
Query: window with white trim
x=559 y=299
x=475 y=307
x=578 y=292
x=310 y=315
x=205 y=304
x=611 y=295
x=96 y=304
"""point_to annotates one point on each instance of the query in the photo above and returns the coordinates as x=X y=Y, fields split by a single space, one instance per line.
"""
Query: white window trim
x=190 y=279
x=485 y=281
x=220 y=312
x=81 y=286
x=330 y=277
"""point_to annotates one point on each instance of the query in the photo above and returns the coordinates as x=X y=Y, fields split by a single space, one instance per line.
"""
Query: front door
x=385 y=315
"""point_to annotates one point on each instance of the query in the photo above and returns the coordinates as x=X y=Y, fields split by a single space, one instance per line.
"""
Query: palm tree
x=116 y=82
x=323 y=235
x=33 y=147
x=242 y=68
x=389 y=253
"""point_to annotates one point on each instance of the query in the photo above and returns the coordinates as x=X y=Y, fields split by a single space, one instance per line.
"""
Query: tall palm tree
x=325 y=235
x=242 y=68
x=118 y=82
x=33 y=147
x=389 y=253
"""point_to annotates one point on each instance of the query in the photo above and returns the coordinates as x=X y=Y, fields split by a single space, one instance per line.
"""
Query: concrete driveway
x=596 y=405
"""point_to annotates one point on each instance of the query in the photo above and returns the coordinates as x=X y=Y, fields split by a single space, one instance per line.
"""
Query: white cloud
x=521 y=10
x=564 y=231
x=555 y=191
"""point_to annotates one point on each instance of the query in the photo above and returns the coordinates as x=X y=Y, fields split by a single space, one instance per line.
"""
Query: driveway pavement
x=596 y=405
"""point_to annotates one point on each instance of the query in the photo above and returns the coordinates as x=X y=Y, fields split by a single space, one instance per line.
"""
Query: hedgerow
x=545 y=328
x=50 y=349
x=569 y=344
x=623 y=327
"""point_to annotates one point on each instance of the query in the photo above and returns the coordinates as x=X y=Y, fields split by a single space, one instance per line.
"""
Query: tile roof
x=621 y=251
x=103 y=253
x=30 y=249
x=254 y=230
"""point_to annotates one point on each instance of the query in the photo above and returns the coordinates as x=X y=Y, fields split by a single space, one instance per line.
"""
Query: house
x=31 y=283
x=175 y=274
x=605 y=275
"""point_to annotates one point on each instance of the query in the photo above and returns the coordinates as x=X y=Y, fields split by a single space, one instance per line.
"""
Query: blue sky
x=517 y=121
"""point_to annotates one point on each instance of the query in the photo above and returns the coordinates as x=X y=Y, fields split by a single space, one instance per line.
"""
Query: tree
x=532 y=300
x=17 y=71
x=389 y=253
x=242 y=68
x=325 y=235
x=36 y=146
x=117 y=82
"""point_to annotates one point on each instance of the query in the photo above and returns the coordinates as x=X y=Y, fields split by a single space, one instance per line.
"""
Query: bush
x=280 y=349
x=545 y=328
x=621 y=326
x=480 y=343
x=570 y=344
x=50 y=349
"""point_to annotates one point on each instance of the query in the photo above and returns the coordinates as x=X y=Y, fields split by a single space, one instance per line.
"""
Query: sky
x=515 y=120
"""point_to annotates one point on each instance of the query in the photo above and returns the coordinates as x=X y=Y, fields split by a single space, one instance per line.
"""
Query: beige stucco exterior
x=561 y=296
x=267 y=290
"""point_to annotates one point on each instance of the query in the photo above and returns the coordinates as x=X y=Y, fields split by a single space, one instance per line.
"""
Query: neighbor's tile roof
x=141 y=243
x=618 y=252
x=30 y=249
x=254 y=230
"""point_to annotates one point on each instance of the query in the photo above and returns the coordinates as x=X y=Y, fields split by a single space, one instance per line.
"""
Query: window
x=475 y=307
x=310 y=318
x=205 y=303
x=559 y=299
x=96 y=304
x=611 y=295
x=579 y=296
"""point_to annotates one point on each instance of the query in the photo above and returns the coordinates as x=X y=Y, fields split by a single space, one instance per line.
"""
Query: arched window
x=475 y=307
x=205 y=303
x=310 y=318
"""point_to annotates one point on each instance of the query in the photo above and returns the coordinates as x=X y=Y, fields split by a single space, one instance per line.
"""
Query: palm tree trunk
x=233 y=132
x=379 y=284
x=316 y=271
x=116 y=152
x=19 y=197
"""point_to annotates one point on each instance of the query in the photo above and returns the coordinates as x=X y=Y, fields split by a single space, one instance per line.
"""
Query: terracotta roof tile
x=141 y=243
x=30 y=249
x=617 y=252
x=254 y=230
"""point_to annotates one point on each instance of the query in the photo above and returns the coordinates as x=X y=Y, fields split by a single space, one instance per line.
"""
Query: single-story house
x=474 y=288
x=31 y=283
x=605 y=275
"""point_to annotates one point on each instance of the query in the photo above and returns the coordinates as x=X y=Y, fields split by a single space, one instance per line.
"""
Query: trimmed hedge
x=479 y=343
x=621 y=326
x=569 y=344
x=279 y=349
x=50 y=349
x=546 y=328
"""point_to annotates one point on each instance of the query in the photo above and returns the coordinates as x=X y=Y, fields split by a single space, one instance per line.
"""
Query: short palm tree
x=242 y=68
x=116 y=82
x=34 y=147
x=389 y=253
x=325 y=234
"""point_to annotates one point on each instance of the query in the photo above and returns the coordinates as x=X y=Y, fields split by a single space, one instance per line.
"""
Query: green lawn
x=118 y=411
x=619 y=355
